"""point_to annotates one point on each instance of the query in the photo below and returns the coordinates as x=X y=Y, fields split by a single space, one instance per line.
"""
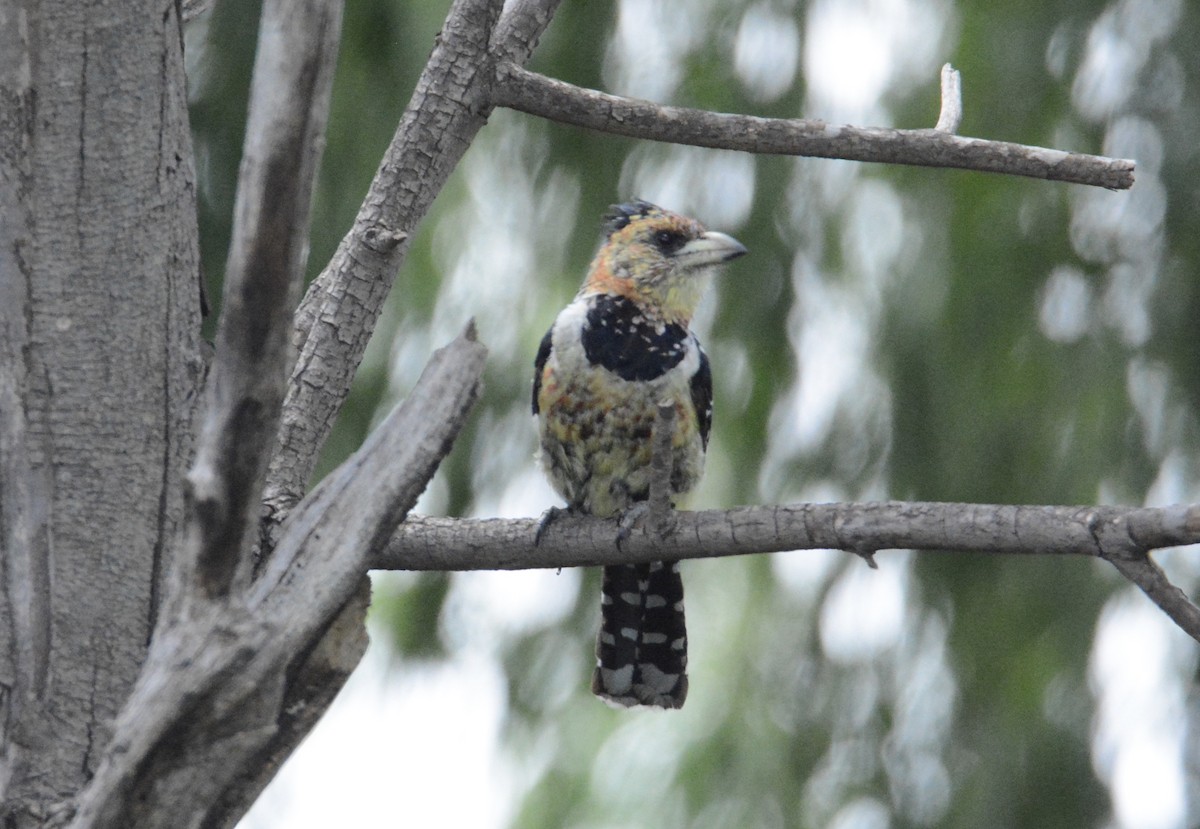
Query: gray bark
x=238 y=669
x=338 y=313
x=99 y=368
x=536 y=94
x=211 y=697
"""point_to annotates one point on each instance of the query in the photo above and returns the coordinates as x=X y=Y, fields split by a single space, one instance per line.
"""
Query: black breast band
x=618 y=337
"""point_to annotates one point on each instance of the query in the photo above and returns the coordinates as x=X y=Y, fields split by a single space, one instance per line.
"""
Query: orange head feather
x=658 y=259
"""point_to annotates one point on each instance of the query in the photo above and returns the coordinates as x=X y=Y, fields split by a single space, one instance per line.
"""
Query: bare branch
x=213 y=694
x=529 y=92
x=402 y=453
x=520 y=28
x=25 y=613
x=1142 y=571
x=424 y=543
x=192 y=9
x=313 y=682
x=951 y=114
x=1128 y=549
x=339 y=311
x=289 y=105
x=1122 y=535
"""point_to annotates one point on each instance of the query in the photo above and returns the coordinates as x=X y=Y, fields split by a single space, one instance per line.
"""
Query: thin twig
x=1146 y=574
x=951 y=115
x=529 y=92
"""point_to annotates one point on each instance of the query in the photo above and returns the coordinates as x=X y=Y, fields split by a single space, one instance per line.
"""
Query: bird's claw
x=629 y=519
x=548 y=517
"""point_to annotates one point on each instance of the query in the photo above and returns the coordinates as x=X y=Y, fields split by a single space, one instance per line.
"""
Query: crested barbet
x=622 y=347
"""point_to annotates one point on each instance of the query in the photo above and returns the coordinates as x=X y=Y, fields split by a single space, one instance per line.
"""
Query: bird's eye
x=669 y=241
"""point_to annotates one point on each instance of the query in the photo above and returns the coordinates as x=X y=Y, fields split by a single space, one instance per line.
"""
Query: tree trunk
x=100 y=363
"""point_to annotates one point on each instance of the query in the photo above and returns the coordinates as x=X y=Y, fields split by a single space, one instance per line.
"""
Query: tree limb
x=25 y=612
x=1121 y=535
x=521 y=27
x=339 y=313
x=214 y=693
x=529 y=92
x=427 y=543
x=340 y=309
x=289 y=107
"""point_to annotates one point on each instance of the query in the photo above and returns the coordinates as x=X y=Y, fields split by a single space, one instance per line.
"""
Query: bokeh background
x=895 y=333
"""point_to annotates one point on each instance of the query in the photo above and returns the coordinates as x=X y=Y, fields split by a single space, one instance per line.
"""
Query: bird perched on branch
x=621 y=348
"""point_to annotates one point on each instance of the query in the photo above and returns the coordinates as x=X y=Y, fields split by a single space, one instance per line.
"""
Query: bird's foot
x=631 y=518
x=660 y=524
x=549 y=517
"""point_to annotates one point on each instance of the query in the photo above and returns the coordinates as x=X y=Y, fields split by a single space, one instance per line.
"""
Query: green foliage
x=898 y=333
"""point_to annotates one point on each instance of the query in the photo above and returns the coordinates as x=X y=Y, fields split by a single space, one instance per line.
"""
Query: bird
x=619 y=349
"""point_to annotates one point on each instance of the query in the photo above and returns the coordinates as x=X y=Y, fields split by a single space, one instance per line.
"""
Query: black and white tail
x=641 y=651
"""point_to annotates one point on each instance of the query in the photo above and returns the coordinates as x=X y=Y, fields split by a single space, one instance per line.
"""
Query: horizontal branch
x=1123 y=536
x=425 y=543
x=529 y=92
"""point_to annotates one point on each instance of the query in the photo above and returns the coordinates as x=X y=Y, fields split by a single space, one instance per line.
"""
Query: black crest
x=620 y=215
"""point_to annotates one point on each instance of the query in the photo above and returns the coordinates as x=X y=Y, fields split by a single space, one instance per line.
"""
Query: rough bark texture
x=100 y=260
x=214 y=691
x=1123 y=536
x=289 y=107
x=339 y=311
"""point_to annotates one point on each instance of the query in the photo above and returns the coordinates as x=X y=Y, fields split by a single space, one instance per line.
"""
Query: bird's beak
x=710 y=248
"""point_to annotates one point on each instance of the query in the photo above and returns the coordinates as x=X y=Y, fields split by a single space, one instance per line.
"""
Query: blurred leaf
x=410 y=616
